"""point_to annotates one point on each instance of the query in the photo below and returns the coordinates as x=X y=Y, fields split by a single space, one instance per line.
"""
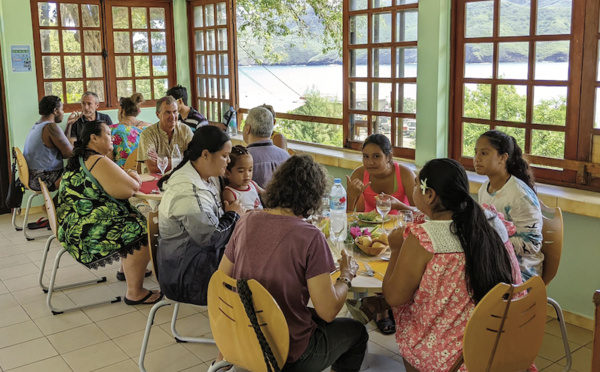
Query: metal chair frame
x=23 y=170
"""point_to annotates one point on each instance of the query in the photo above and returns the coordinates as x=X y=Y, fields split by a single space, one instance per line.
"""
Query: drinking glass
x=162 y=162
x=336 y=227
x=384 y=205
x=320 y=220
x=404 y=217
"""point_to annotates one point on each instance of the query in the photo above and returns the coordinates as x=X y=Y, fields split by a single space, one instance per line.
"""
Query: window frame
x=111 y=99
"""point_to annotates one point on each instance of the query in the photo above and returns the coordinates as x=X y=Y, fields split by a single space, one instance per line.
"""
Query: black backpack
x=16 y=190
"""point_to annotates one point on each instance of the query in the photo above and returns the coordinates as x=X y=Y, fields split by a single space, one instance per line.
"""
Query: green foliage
x=315 y=105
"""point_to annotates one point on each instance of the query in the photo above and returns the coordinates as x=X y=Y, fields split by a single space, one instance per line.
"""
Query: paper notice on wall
x=21 y=58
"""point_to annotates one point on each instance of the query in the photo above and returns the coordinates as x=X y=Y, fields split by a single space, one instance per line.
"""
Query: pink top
x=282 y=253
x=369 y=194
x=430 y=328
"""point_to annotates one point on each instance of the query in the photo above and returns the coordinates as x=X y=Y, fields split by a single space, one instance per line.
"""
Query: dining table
x=149 y=190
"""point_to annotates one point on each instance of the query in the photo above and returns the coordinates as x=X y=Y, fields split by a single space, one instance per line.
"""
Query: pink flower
x=117 y=140
x=355 y=231
x=131 y=138
x=366 y=232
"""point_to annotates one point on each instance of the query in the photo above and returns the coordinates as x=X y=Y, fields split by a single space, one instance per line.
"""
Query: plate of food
x=372 y=217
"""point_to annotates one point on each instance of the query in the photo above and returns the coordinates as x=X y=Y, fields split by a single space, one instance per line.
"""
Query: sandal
x=143 y=300
x=374 y=305
x=121 y=275
x=221 y=366
x=39 y=224
x=387 y=326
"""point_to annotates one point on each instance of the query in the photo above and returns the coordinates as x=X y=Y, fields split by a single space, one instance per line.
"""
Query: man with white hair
x=257 y=134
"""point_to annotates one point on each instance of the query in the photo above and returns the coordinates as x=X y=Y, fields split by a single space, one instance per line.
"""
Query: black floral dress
x=95 y=228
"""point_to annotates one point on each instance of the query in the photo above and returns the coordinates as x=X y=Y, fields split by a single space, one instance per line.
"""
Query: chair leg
x=180 y=338
x=16 y=211
x=563 y=331
x=52 y=287
x=25 y=220
x=149 y=323
x=43 y=265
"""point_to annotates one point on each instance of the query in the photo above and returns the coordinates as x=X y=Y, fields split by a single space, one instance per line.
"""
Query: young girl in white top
x=239 y=180
x=510 y=190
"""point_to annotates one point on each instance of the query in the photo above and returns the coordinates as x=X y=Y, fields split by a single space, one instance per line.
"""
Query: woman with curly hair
x=292 y=260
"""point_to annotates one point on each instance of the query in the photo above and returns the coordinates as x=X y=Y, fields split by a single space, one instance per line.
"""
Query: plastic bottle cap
x=337 y=180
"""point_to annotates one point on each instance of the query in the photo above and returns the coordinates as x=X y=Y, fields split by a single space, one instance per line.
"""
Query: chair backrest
x=131 y=162
x=552 y=243
x=506 y=329
x=22 y=168
x=50 y=209
x=232 y=330
x=153 y=239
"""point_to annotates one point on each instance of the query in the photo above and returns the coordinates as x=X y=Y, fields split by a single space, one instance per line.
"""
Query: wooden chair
x=52 y=287
x=506 y=329
x=132 y=163
x=552 y=245
x=153 y=234
x=23 y=171
x=232 y=329
x=596 y=344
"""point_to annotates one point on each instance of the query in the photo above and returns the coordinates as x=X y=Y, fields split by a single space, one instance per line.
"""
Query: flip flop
x=39 y=224
x=386 y=326
x=121 y=275
x=142 y=301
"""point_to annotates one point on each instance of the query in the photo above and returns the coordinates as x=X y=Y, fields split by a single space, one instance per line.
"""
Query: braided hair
x=80 y=147
x=487 y=262
x=236 y=152
x=515 y=164
x=208 y=138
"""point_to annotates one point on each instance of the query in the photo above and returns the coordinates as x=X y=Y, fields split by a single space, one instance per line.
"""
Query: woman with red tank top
x=379 y=174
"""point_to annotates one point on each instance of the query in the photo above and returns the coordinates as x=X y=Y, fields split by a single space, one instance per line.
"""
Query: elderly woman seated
x=292 y=260
x=97 y=225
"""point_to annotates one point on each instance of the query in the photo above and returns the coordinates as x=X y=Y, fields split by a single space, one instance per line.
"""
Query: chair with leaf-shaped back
x=506 y=330
x=132 y=163
x=52 y=287
x=23 y=170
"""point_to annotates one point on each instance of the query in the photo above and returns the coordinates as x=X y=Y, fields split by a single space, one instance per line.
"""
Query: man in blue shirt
x=89 y=107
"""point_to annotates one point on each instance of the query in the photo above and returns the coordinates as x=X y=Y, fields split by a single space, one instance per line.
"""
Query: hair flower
x=424 y=186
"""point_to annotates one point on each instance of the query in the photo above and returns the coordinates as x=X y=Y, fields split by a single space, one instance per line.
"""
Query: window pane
x=140 y=42
x=380 y=100
x=142 y=65
x=479 y=19
x=210 y=40
x=159 y=42
x=381 y=63
x=54 y=89
x=224 y=88
x=120 y=16
x=212 y=88
x=407 y=25
x=222 y=38
x=597 y=116
x=382 y=125
x=47 y=15
x=73 y=67
x=406 y=132
x=358 y=95
x=69 y=14
x=598 y=65
x=201 y=87
x=210 y=15
x=358 y=4
x=381 y=3
x=404 y=2
x=550 y=105
x=407 y=98
x=358 y=127
x=93 y=66
x=157 y=18
x=123 y=66
x=554 y=17
x=477 y=101
x=358 y=29
x=122 y=42
x=200 y=64
x=406 y=60
x=223 y=64
x=199 y=41
x=124 y=88
x=358 y=62
x=159 y=65
x=160 y=88
x=471 y=132
x=143 y=86
x=547 y=53
x=74 y=91
x=49 y=41
x=221 y=14
x=96 y=86
x=478 y=60
x=198 y=17
x=52 y=67
x=514 y=17
x=382 y=28
x=90 y=15
x=511 y=103
x=139 y=19
x=512 y=60
x=547 y=143
x=92 y=41
x=71 y=41
x=518 y=133
x=211 y=64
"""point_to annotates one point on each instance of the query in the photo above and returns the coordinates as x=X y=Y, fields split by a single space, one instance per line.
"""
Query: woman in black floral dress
x=97 y=225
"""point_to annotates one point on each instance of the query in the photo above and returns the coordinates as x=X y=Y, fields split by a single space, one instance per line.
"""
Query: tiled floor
x=108 y=337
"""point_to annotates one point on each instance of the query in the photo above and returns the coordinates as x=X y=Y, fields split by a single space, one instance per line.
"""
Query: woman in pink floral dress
x=441 y=268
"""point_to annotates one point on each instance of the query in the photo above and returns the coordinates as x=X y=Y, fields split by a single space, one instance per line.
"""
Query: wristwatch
x=345 y=280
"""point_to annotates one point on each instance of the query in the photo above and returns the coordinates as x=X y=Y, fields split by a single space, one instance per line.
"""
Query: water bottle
x=230 y=120
x=337 y=210
x=175 y=156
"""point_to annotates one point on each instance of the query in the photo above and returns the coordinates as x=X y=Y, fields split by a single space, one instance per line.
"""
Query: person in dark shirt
x=89 y=107
x=187 y=114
